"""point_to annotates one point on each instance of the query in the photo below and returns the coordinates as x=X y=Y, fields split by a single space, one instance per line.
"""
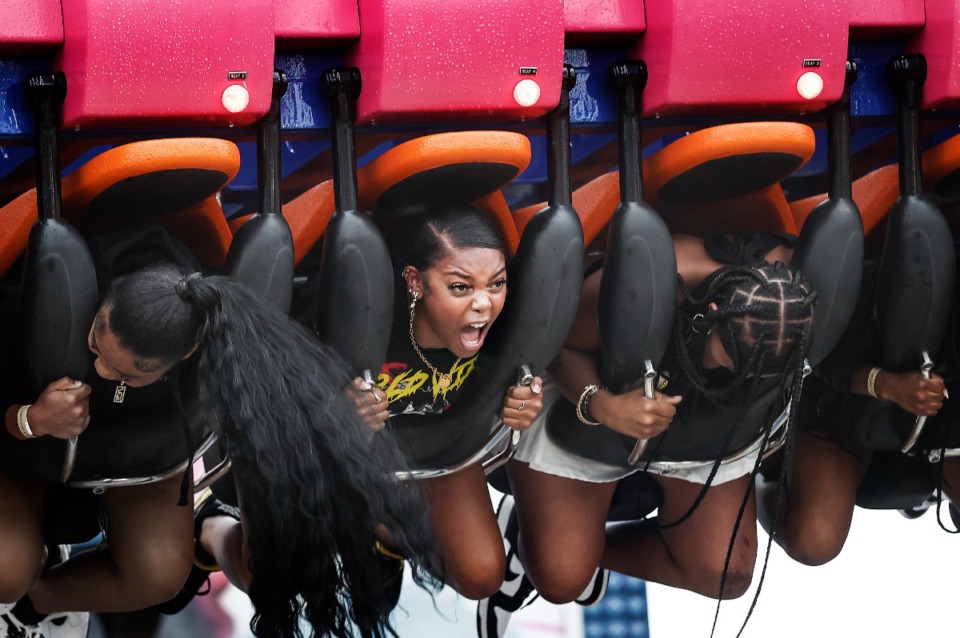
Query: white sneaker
x=68 y=624
x=596 y=590
x=12 y=627
x=516 y=592
x=920 y=509
x=72 y=624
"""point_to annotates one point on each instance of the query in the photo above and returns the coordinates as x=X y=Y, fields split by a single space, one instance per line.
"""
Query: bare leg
x=466 y=528
x=817 y=506
x=951 y=479
x=690 y=555
x=21 y=536
x=149 y=556
x=562 y=525
x=222 y=537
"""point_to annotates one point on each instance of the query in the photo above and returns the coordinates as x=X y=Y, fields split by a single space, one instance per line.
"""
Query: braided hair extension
x=939 y=493
x=311 y=489
x=764 y=316
x=799 y=371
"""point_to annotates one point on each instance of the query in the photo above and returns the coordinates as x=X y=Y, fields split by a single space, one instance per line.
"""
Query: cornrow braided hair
x=764 y=315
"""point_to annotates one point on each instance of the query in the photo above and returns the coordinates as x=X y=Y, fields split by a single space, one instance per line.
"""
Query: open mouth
x=472 y=335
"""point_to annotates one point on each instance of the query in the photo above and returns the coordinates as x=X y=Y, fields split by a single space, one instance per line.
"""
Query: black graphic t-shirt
x=411 y=387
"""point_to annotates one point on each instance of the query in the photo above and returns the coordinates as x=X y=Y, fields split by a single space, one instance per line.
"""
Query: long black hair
x=311 y=490
x=764 y=317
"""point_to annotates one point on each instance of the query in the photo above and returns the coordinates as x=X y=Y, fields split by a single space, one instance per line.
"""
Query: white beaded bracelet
x=871 y=380
x=23 y=424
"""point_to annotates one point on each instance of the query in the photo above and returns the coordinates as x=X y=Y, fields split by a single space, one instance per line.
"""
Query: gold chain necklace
x=444 y=379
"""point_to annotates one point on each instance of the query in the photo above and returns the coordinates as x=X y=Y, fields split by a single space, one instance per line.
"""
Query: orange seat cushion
x=715 y=180
x=133 y=184
x=725 y=162
x=876 y=192
x=424 y=173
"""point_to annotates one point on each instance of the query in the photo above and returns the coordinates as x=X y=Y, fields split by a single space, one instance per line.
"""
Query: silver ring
x=376 y=396
x=522 y=404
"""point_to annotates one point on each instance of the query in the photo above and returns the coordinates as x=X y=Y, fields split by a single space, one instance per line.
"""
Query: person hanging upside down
x=831 y=457
x=452 y=268
x=735 y=358
x=313 y=497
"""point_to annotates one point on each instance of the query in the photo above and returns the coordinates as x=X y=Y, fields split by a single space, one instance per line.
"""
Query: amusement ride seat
x=431 y=172
x=715 y=180
x=172 y=182
x=60 y=294
x=723 y=158
x=877 y=191
x=426 y=171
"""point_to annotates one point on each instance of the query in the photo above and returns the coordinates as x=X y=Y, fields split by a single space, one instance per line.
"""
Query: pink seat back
x=315 y=24
x=603 y=21
x=436 y=60
x=27 y=26
x=939 y=42
x=166 y=62
x=713 y=57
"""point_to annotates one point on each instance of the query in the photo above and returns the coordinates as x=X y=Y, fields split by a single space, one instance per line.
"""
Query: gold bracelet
x=23 y=424
x=871 y=380
x=583 y=404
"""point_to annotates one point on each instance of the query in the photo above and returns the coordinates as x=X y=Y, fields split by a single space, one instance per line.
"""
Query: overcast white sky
x=896 y=577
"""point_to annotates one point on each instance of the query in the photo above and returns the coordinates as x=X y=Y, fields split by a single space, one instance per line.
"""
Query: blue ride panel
x=16 y=113
x=622 y=613
x=591 y=99
x=305 y=106
x=872 y=94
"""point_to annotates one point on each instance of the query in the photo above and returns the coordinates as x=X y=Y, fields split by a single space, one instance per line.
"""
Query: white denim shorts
x=537 y=449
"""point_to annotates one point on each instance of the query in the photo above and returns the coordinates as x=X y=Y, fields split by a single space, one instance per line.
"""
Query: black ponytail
x=311 y=488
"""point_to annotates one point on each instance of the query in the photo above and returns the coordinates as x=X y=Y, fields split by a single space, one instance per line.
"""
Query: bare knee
x=715 y=578
x=717 y=583
x=479 y=576
x=561 y=588
x=13 y=586
x=157 y=572
x=17 y=573
x=816 y=543
x=736 y=583
x=560 y=581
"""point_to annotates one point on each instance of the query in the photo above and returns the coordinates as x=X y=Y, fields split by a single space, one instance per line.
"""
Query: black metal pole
x=630 y=78
x=908 y=73
x=558 y=144
x=343 y=87
x=47 y=91
x=838 y=140
x=268 y=150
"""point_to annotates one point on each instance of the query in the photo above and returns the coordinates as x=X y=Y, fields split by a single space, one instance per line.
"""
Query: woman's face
x=461 y=295
x=116 y=363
